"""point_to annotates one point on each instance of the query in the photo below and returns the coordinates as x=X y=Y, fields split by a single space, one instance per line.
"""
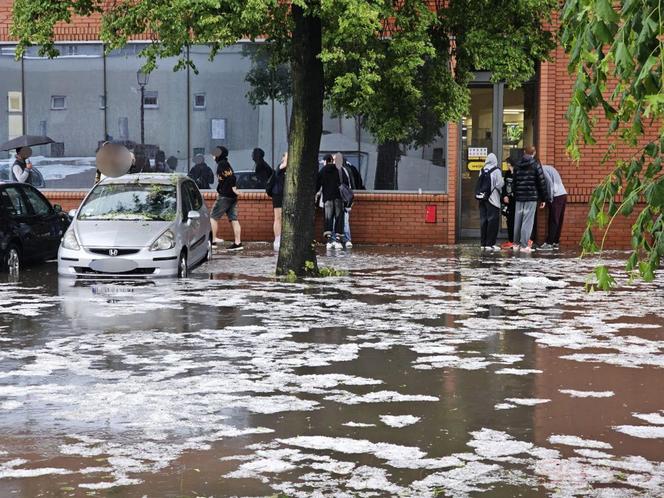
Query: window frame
x=151 y=94
x=64 y=102
x=198 y=107
x=25 y=191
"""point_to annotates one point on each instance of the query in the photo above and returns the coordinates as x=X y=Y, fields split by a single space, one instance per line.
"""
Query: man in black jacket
x=329 y=180
x=262 y=169
x=529 y=189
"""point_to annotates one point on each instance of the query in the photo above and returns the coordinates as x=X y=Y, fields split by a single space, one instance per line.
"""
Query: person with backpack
x=343 y=168
x=487 y=192
x=330 y=181
x=275 y=189
x=201 y=173
x=529 y=188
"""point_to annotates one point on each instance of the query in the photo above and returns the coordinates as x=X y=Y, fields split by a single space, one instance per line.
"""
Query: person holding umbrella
x=22 y=167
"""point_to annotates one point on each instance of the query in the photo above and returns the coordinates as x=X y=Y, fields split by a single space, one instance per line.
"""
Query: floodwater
x=423 y=372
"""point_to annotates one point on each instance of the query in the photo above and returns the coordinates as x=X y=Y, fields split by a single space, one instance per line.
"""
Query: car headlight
x=69 y=240
x=165 y=241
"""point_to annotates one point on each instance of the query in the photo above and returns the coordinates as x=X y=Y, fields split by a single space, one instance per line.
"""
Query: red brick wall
x=375 y=218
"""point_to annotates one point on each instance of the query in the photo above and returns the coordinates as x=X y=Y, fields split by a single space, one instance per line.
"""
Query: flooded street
x=424 y=372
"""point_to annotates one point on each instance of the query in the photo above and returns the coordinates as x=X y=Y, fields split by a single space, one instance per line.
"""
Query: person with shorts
x=275 y=189
x=226 y=204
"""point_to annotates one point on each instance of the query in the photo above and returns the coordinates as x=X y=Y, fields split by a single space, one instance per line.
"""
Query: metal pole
x=142 y=115
x=103 y=50
x=24 y=131
x=272 y=128
x=189 y=104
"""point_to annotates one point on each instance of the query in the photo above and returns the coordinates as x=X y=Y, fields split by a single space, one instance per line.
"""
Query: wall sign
x=218 y=129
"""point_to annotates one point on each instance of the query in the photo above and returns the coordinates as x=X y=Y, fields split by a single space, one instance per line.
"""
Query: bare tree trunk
x=386 y=165
x=306 y=126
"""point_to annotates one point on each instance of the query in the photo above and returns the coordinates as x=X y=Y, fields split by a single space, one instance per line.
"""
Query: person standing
x=201 y=173
x=262 y=169
x=558 y=201
x=508 y=203
x=529 y=189
x=275 y=189
x=347 y=177
x=490 y=206
x=22 y=167
x=329 y=181
x=226 y=204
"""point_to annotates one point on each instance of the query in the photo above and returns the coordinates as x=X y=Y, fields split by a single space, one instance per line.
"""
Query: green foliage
x=617 y=57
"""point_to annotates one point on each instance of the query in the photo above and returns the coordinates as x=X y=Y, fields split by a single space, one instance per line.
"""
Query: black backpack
x=483 y=188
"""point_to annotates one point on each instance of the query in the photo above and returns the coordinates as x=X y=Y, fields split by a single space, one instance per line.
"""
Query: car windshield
x=130 y=201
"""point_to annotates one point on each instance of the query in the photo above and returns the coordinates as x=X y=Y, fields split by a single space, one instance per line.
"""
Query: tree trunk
x=386 y=165
x=306 y=126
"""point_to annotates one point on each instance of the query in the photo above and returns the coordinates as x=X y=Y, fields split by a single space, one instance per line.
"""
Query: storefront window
x=11 y=101
x=148 y=113
x=62 y=102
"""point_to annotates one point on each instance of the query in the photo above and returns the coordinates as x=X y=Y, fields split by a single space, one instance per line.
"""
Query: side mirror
x=193 y=215
x=72 y=213
x=57 y=208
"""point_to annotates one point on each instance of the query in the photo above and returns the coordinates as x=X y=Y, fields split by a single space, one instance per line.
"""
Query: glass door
x=478 y=137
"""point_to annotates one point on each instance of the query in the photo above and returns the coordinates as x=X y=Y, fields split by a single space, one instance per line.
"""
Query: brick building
x=433 y=206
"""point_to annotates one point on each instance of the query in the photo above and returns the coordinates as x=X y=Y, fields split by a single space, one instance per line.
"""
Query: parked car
x=30 y=227
x=36 y=178
x=138 y=225
x=247 y=180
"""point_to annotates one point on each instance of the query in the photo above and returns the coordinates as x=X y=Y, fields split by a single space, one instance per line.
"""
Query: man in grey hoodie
x=490 y=207
x=558 y=194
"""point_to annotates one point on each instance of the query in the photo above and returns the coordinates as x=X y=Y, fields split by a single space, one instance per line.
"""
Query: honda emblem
x=112 y=252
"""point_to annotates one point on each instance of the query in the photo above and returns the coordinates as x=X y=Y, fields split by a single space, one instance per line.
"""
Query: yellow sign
x=475 y=165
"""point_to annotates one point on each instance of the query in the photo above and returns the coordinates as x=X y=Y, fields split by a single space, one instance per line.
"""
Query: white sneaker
x=349 y=244
x=276 y=244
x=495 y=248
x=329 y=244
x=338 y=245
x=516 y=248
x=216 y=242
x=527 y=250
x=482 y=248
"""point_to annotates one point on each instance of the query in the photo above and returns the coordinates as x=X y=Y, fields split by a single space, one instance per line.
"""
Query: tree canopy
x=616 y=56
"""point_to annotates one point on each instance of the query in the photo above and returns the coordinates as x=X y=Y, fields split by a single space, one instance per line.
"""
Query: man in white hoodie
x=490 y=207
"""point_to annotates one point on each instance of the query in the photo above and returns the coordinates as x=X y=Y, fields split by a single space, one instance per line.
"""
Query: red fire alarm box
x=430 y=214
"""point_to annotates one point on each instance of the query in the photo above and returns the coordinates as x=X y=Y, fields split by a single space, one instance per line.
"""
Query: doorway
x=500 y=120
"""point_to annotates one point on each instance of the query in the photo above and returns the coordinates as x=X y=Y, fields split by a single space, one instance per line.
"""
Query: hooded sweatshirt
x=497 y=181
x=553 y=182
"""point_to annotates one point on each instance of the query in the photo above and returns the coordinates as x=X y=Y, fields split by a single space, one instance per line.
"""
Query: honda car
x=138 y=225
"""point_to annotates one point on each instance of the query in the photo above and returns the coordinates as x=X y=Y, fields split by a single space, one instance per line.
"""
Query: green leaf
x=605 y=11
x=655 y=194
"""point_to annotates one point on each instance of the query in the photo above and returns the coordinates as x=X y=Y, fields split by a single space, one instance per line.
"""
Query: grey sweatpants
x=524 y=217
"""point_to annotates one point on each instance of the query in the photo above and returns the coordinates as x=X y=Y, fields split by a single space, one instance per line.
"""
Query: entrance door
x=479 y=137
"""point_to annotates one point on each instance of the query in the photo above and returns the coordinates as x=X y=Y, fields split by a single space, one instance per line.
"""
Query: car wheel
x=183 y=271
x=12 y=262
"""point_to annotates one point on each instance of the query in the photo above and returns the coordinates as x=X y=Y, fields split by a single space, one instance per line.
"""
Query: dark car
x=30 y=227
x=36 y=178
x=247 y=180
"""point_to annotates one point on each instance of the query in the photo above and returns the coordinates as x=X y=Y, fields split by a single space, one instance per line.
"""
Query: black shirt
x=226 y=184
x=328 y=180
x=263 y=171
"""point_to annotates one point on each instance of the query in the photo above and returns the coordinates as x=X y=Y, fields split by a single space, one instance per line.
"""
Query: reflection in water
x=445 y=373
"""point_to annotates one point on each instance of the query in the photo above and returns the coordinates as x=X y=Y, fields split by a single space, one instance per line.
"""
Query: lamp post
x=142 y=78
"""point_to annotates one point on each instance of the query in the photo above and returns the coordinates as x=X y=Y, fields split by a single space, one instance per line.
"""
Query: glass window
x=131 y=201
x=11 y=102
x=389 y=165
x=17 y=205
x=158 y=135
x=39 y=205
x=151 y=99
x=518 y=120
x=194 y=195
x=69 y=84
x=58 y=102
x=227 y=117
x=199 y=101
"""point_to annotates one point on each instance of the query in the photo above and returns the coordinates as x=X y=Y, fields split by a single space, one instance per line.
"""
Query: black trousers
x=489 y=222
x=556 y=218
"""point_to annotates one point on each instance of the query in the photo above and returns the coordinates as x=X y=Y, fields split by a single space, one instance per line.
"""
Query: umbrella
x=26 y=141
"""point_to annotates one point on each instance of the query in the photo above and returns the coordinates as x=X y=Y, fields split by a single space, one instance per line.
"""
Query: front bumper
x=90 y=262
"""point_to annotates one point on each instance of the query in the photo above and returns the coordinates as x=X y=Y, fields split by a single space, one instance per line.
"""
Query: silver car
x=139 y=225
